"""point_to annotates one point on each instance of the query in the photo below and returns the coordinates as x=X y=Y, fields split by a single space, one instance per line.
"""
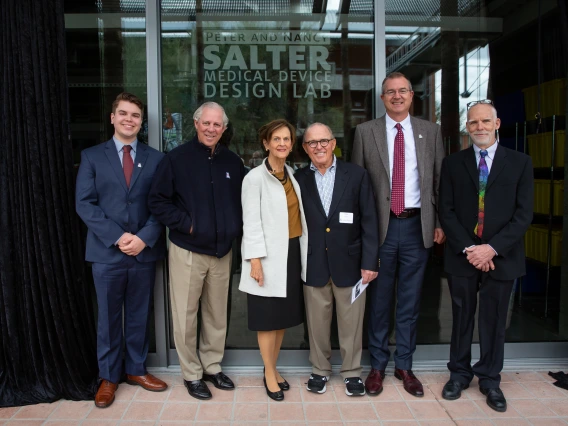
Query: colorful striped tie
x=483 y=175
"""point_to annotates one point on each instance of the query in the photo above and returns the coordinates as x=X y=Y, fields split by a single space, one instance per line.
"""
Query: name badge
x=345 y=217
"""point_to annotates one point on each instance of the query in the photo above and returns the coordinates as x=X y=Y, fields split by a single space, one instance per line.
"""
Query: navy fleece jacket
x=195 y=187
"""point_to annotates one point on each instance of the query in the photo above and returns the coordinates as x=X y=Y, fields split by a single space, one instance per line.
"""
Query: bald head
x=322 y=156
x=490 y=106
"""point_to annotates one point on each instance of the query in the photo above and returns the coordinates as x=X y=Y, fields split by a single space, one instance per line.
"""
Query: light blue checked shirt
x=325 y=184
x=119 y=145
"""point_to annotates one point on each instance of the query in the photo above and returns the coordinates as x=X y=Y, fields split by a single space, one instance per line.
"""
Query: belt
x=406 y=213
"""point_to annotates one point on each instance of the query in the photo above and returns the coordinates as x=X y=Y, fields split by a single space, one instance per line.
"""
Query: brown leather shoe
x=411 y=384
x=105 y=394
x=374 y=382
x=148 y=382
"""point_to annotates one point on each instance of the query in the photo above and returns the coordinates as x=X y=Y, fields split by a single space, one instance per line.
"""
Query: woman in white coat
x=274 y=249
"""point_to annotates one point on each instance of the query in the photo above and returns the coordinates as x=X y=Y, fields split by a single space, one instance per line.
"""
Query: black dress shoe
x=495 y=399
x=284 y=385
x=276 y=396
x=198 y=389
x=453 y=389
x=220 y=381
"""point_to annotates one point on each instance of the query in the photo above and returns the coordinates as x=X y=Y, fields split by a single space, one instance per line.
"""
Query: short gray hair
x=392 y=76
x=493 y=109
x=213 y=105
x=319 y=124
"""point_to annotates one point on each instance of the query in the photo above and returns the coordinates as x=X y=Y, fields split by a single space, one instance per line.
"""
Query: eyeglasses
x=400 y=92
x=484 y=101
x=322 y=142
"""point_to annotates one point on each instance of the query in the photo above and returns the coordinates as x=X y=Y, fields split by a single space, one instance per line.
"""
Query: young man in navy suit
x=124 y=241
x=342 y=249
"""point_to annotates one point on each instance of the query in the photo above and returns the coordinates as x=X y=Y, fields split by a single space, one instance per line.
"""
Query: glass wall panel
x=312 y=61
x=458 y=51
x=106 y=55
x=300 y=60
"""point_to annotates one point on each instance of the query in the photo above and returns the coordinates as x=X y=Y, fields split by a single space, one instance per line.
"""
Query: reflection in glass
x=459 y=51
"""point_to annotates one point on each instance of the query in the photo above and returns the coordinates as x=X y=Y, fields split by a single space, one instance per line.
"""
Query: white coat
x=265 y=231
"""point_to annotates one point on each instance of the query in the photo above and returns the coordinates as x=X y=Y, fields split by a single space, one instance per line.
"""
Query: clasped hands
x=131 y=244
x=481 y=257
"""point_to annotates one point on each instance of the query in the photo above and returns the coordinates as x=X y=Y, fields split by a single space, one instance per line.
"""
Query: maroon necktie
x=397 y=193
x=127 y=164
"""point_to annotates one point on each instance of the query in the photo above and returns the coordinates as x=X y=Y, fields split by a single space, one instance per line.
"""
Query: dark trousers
x=402 y=251
x=494 y=298
x=130 y=284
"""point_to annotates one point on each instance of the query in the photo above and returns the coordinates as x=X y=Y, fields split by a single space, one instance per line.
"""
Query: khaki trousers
x=319 y=311
x=198 y=277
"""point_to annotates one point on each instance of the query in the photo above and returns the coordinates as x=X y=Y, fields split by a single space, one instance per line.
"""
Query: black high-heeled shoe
x=276 y=396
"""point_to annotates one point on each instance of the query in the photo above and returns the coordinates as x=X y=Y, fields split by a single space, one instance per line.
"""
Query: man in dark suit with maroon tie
x=486 y=206
x=124 y=241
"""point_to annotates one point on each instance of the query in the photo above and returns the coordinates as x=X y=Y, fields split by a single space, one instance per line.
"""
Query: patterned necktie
x=483 y=175
x=397 y=192
x=127 y=164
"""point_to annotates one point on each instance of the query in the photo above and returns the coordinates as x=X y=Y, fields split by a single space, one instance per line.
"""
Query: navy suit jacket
x=508 y=210
x=109 y=208
x=340 y=250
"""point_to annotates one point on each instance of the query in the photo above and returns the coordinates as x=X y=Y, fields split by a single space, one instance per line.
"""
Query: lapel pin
x=140 y=165
x=419 y=136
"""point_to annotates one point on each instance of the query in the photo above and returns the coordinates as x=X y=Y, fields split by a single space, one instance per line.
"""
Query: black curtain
x=47 y=329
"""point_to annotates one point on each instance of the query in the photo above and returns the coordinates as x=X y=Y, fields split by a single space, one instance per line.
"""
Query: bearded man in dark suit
x=486 y=206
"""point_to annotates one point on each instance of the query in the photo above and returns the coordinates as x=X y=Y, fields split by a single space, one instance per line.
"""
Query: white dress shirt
x=411 y=175
x=488 y=158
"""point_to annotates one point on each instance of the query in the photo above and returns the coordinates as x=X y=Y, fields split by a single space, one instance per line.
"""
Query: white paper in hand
x=358 y=289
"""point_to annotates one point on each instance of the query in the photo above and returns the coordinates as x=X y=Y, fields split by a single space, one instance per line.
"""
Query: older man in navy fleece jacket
x=196 y=193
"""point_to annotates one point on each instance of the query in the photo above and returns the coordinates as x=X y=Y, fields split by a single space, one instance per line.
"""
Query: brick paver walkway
x=532 y=400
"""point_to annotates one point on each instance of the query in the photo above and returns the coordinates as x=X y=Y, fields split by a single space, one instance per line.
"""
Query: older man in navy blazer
x=342 y=249
x=124 y=242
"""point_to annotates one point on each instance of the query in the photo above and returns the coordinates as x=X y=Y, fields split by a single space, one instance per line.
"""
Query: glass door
x=302 y=61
